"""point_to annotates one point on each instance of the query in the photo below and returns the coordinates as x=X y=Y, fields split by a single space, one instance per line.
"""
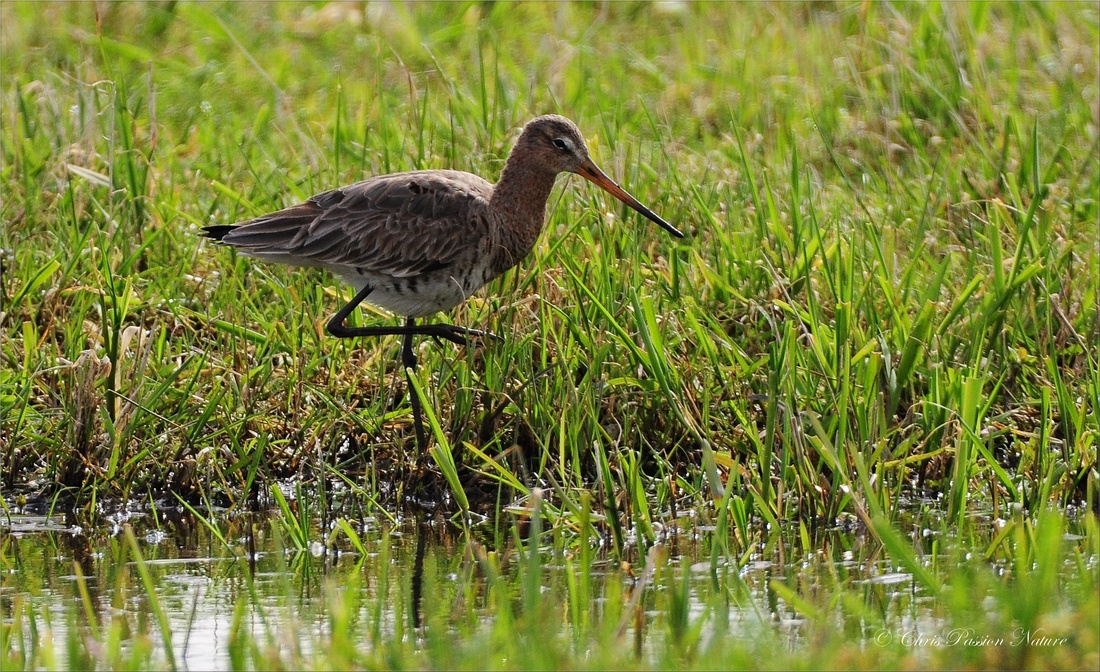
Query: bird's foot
x=455 y=334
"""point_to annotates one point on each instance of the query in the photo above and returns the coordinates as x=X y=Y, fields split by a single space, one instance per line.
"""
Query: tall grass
x=892 y=258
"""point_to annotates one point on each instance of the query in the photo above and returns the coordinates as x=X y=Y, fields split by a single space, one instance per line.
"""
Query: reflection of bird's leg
x=408 y=359
x=418 y=570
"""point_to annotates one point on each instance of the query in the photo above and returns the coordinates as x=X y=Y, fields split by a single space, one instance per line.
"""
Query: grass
x=888 y=295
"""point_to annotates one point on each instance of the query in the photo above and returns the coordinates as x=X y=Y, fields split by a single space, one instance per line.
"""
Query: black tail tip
x=217 y=232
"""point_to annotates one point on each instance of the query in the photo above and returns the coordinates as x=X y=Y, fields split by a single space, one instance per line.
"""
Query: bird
x=421 y=242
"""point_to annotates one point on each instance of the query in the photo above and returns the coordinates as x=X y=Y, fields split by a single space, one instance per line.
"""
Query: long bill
x=593 y=174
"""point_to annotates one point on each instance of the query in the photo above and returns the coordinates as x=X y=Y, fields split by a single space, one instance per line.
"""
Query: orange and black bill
x=593 y=174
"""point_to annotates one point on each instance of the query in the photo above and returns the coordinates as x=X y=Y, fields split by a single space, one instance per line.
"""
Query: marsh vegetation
x=861 y=396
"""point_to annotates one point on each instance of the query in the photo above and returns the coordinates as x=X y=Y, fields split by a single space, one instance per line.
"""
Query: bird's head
x=553 y=143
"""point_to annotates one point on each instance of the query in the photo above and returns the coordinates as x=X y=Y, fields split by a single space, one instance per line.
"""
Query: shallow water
x=282 y=595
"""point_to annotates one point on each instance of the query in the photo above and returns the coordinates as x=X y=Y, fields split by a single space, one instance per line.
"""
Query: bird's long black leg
x=336 y=325
x=408 y=358
x=459 y=335
x=454 y=334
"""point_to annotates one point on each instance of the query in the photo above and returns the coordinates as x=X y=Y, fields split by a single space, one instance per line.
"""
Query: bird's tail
x=218 y=231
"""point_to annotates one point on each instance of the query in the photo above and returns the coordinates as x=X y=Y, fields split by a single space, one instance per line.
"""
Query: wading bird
x=422 y=242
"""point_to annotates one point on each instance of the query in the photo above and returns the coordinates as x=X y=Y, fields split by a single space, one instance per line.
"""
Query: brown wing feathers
x=400 y=225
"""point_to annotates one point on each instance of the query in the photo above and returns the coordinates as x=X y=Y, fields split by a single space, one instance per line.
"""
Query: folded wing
x=400 y=225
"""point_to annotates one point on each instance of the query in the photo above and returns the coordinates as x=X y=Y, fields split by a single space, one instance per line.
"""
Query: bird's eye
x=561 y=144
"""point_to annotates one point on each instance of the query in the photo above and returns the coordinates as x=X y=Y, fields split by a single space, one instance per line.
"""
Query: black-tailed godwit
x=422 y=242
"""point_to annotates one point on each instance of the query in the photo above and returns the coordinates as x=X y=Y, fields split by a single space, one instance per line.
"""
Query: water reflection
x=245 y=574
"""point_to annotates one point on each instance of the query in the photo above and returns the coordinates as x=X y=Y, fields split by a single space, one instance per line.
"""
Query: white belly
x=413 y=297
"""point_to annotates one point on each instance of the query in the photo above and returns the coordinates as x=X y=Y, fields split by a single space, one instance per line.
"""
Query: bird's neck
x=520 y=197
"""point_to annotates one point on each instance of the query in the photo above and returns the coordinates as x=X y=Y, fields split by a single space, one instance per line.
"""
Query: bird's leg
x=337 y=328
x=459 y=335
x=336 y=325
x=454 y=334
x=408 y=358
x=450 y=332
